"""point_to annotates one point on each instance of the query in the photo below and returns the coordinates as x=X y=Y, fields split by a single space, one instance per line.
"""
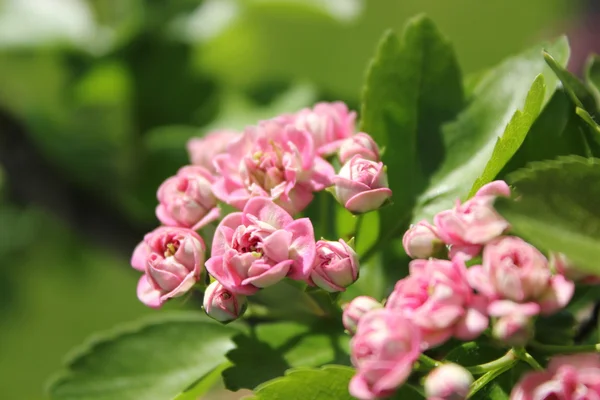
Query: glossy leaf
x=153 y=360
x=413 y=86
x=280 y=346
x=592 y=75
x=327 y=383
x=470 y=139
x=557 y=208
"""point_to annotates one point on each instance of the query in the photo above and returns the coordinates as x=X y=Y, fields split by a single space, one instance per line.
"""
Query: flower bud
x=448 y=382
x=360 y=144
x=335 y=266
x=223 y=305
x=514 y=325
x=362 y=185
x=560 y=264
x=354 y=310
x=421 y=240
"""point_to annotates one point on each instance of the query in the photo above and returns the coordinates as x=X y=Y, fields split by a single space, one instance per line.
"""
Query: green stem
x=508 y=359
x=357 y=227
x=490 y=376
x=526 y=357
x=429 y=362
x=555 y=349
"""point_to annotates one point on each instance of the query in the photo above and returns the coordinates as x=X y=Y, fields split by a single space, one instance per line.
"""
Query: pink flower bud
x=328 y=124
x=362 y=185
x=384 y=349
x=173 y=264
x=187 y=200
x=562 y=265
x=203 y=150
x=335 y=267
x=448 y=382
x=223 y=305
x=360 y=144
x=567 y=377
x=421 y=240
x=355 y=310
x=514 y=325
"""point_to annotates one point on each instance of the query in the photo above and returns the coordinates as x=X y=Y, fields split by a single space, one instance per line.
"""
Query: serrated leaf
x=514 y=134
x=154 y=360
x=557 y=208
x=327 y=383
x=592 y=75
x=413 y=86
x=280 y=346
x=580 y=94
x=470 y=139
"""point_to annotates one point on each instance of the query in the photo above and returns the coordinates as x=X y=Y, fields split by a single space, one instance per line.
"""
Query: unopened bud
x=223 y=305
x=354 y=311
x=448 y=382
x=421 y=240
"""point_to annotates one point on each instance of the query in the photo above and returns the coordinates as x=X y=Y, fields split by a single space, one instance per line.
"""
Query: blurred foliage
x=110 y=91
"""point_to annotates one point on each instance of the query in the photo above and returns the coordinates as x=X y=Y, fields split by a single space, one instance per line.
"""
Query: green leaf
x=580 y=95
x=283 y=345
x=204 y=384
x=557 y=208
x=593 y=126
x=514 y=134
x=592 y=75
x=327 y=383
x=413 y=86
x=155 y=359
x=470 y=139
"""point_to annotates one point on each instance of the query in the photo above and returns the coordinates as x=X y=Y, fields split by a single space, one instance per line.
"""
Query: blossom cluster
x=468 y=274
x=268 y=173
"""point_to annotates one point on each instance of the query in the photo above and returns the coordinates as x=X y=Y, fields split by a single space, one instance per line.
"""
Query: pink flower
x=187 y=200
x=515 y=270
x=223 y=305
x=328 y=124
x=437 y=297
x=335 y=267
x=203 y=150
x=448 y=382
x=260 y=246
x=475 y=222
x=275 y=161
x=362 y=185
x=573 y=377
x=514 y=323
x=421 y=240
x=356 y=309
x=384 y=349
x=562 y=265
x=360 y=144
x=172 y=259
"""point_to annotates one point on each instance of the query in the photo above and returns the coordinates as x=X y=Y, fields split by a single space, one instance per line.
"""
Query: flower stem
x=491 y=375
x=428 y=362
x=555 y=349
x=526 y=357
x=508 y=359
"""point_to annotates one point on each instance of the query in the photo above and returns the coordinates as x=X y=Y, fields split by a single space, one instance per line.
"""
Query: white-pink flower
x=335 y=267
x=328 y=123
x=572 y=377
x=360 y=144
x=223 y=305
x=384 y=349
x=356 y=309
x=260 y=246
x=362 y=185
x=448 y=382
x=272 y=160
x=437 y=297
x=187 y=200
x=172 y=259
x=202 y=150
x=421 y=240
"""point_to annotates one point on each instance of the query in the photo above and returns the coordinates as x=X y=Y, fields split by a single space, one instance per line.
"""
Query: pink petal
x=496 y=188
x=471 y=325
x=164 y=217
x=272 y=275
x=277 y=245
x=147 y=293
x=266 y=211
x=323 y=174
x=360 y=389
x=140 y=256
x=211 y=216
x=557 y=296
x=302 y=249
x=223 y=234
x=368 y=201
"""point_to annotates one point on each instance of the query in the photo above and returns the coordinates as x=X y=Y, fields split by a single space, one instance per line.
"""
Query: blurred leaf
x=155 y=360
x=470 y=139
x=514 y=134
x=593 y=126
x=559 y=328
x=592 y=76
x=554 y=133
x=557 y=208
x=327 y=383
x=578 y=92
x=412 y=87
x=203 y=385
x=280 y=346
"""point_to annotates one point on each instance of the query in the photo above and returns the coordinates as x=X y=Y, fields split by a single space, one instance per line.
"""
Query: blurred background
x=97 y=101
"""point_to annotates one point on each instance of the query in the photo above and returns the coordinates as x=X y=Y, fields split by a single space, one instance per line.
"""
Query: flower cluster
x=508 y=283
x=269 y=173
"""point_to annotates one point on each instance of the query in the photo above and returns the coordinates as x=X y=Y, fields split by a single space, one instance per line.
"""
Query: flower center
x=172 y=248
